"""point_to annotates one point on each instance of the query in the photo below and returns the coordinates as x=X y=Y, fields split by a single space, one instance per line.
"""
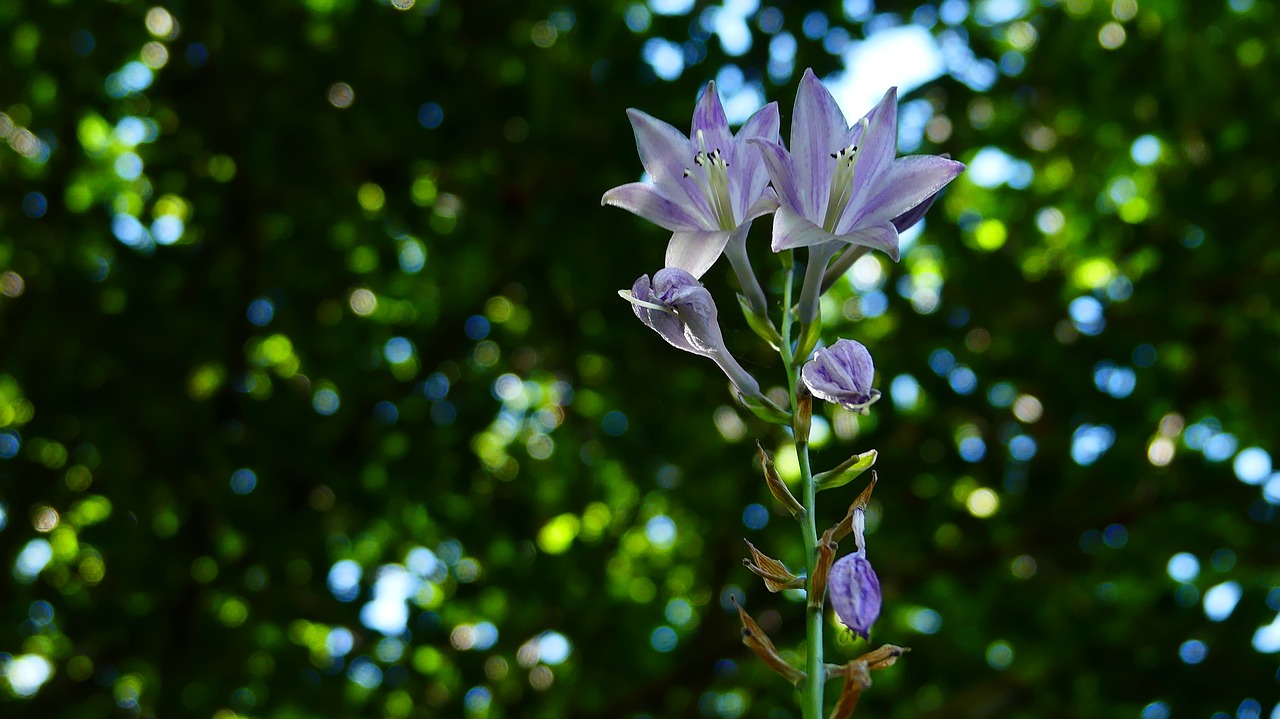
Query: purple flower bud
x=854 y=590
x=842 y=374
x=678 y=307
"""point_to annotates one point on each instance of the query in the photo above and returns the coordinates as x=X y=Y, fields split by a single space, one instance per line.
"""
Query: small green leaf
x=848 y=471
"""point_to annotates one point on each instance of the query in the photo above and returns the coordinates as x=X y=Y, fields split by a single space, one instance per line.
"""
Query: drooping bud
x=842 y=374
x=681 y=310
x=853 y=584
x=855 y=593
x=776 y=486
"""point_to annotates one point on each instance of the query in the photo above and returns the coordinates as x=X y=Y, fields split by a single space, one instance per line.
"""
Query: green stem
x=813 y=621
x=811 y=696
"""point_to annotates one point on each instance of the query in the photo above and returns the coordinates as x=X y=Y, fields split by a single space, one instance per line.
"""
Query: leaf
x=846 y=472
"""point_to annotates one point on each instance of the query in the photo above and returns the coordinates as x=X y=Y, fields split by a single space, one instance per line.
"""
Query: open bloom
x=842 y=374
x=853 y=586
x=843 y=184
x=707 y=187
x=678 y=307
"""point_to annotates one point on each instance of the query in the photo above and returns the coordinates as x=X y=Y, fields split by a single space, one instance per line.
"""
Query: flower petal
x=695 y=251
x=879 y=143
x=781 y=171
x=645 y=201
x=881 y=237
x=665 y=154
x=911 y=217
x=767 y=203
x=817 y=126
x=905 y=184
x=790 y=230
x=747 y=169
x=708 y=116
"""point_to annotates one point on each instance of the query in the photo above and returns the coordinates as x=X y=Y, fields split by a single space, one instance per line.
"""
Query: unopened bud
x=855 y=593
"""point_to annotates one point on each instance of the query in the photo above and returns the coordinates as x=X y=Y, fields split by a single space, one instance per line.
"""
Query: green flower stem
x=811 y=695
x=812 y=708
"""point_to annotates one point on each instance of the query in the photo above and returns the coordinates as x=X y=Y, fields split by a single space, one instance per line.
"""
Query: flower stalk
x=840 y=191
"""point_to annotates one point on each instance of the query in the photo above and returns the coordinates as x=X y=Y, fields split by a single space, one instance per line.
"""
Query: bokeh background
x=317 y=399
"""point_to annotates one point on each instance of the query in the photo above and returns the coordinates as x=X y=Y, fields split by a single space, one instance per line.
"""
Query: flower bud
x=842 y=374
x=855 y=593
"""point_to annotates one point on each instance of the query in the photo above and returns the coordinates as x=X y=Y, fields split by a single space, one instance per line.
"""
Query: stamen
x=715 y=187
x=841 y=192
x=629 y=297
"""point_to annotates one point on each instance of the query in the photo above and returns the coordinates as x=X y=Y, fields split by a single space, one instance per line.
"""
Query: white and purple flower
x=841 y=184
x=706 y=188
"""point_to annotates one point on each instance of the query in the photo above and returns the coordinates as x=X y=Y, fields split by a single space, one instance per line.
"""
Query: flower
x=842 y=184
x=842 y=374
x=705 y=188
x=855 y=593
x=678 y=307
x=853 y=586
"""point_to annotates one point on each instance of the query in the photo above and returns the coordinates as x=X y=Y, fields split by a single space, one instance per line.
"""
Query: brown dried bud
x=759 y=643
x=804 y=414
x=822 y=570
x=884 y=657
x=856 y=678
x=876 y=659
x=845 y=527
x=775 y=574
x=776 y=486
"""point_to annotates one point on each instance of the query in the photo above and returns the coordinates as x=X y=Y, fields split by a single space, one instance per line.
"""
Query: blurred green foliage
x=316 y=398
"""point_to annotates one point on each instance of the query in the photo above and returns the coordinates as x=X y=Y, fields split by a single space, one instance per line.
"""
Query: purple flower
x=678 y=307
x=839 y=184
x=705 y=188
x=842 y=374
x=855 y=593
x=853 y=585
